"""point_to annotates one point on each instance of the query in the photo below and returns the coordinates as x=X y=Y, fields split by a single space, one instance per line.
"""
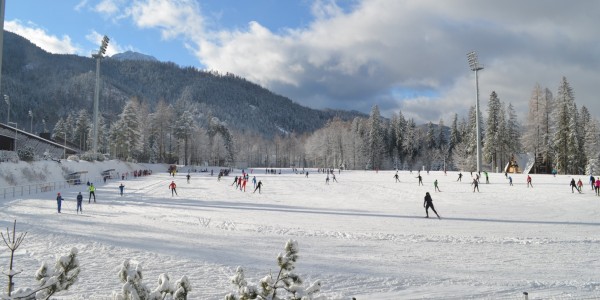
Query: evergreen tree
x=184 y=124
x=492 y=140
x=60 y=130
x=455 y=136
x=400 y=137
x=565 y=140
x=411 y=145
x=430 y=138
x=130 y=127
x=82 y=129
x=513 y=132
x=376 y=147
x=441 y=140
x=592 y=147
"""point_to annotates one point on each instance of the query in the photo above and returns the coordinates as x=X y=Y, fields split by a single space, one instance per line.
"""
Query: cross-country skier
x=475 y=185
x=529 y=182
x=258 y=186
x=510 y=180
x=573 y=185
x=420 y=179
x=173 y=187
x=427 y=203
x=188 y=178
x=597 y=186
x=59 y=200
x=121 y=188
x=396 y=177
x=79 y=201
x=92 y=190
x=435 y=186
x=459 y=177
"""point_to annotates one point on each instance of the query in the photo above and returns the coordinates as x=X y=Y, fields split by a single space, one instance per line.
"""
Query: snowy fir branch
x=134 y=289
x=290 y=284
x=66 y=271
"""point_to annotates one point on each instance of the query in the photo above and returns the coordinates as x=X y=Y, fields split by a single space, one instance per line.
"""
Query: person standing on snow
x=427 y=203
x=592 y=181
x=420 y=179
x=510 y=181
x=396 y=177
x=254 y=181
x=435 y=186
x=244 y=184
x=580 y=185
x=121 y=188
x=173 y=187
x=59 y=200
x=529 y=181
x=475 y=185
x=258 y=186
x=79 y=201
x=487 y=178
x=92 y=190
x=188 y=178
x=573 y=185
x=459 y=177
x=597 y=186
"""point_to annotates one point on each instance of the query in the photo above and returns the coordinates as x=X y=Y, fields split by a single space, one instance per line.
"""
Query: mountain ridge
x=52 y=85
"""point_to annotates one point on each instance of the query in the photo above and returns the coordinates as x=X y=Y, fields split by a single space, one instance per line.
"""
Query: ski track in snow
x=363 y=237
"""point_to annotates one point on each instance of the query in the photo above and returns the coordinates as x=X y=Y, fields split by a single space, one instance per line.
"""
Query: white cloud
x=108 y=7
x=113 y=46
x=356 y=58
x=172 y=17
x=39 y=36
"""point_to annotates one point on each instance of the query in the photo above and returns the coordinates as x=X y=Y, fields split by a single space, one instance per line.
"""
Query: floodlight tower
x=475 y=66
x=98 y=56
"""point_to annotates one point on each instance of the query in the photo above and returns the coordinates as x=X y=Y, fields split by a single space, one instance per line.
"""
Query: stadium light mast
x=475 y=66
x=2 y=9
x=98 y=56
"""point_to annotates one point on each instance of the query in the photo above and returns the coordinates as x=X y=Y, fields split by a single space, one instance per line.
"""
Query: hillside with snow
x=364 y=236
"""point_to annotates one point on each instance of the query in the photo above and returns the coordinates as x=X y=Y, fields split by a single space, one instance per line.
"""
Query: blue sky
x=407 y=55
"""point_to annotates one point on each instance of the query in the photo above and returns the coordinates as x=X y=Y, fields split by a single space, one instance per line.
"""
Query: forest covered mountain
x=53 y=85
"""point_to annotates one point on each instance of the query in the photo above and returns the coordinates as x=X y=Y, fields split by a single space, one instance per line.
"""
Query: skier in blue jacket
x=59 y=200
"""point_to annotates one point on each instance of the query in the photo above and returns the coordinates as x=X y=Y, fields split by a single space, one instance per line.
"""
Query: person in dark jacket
x=427 y=203
x=79 y=201
x=258 y=186
x=121 y=188
x=475 y=185
x=574 y=186
x=59 y=200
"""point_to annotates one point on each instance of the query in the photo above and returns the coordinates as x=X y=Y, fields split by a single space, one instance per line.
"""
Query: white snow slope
x=364 y=237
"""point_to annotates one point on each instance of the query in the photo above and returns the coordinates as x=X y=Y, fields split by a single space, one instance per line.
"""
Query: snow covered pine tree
x=134 y=289
x=286 y=281
x=65 y=274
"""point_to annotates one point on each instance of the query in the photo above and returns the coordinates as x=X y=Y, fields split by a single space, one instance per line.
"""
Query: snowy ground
x=363 y=237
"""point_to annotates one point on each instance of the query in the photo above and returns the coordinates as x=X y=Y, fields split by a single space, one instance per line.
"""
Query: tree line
x=556 y=132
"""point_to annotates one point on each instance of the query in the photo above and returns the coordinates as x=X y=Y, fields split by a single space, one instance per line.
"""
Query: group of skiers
x=594 y=182
x=241 y=181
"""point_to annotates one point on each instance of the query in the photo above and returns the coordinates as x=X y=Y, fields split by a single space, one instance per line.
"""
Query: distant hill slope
x=51 y=85
x=130 y=55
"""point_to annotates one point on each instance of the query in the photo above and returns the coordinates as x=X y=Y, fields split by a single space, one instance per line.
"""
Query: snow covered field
x=364 y=237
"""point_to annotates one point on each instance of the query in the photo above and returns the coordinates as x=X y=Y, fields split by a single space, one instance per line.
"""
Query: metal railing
x=36 y=188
